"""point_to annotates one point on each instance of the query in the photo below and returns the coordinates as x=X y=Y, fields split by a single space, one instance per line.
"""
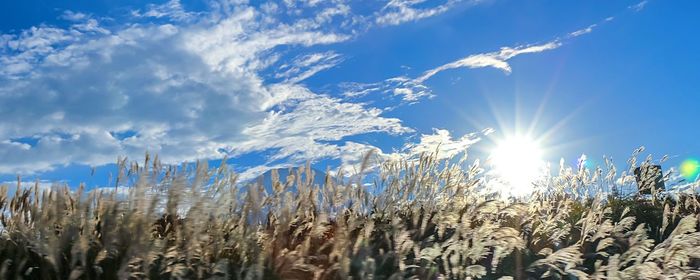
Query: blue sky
x=276 y=84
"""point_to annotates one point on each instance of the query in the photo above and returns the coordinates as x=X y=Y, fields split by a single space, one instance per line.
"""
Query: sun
x=517 y=163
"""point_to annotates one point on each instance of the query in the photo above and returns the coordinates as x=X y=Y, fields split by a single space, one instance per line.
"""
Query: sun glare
x=517 y=163
x=690 y=169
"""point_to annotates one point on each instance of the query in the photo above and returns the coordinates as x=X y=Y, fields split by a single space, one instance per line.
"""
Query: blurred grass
x=422 y=219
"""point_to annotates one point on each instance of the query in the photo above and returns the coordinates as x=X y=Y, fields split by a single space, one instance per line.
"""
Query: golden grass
x=423 y=219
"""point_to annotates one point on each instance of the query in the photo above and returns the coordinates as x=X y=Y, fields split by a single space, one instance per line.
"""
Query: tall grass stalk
x=421 y=219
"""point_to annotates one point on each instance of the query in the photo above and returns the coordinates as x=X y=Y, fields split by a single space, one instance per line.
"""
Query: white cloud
x=255 y=171
x=403 y=87
x=309 y=119
x=20 y=52
x=172 y=9
x=439 y=144
x=412 y=90
x=639 y=6
x=90 y=25
x=306 y=66
x=399 y=11
x=185 y=91
x=74 y=16
x=498 y=60
x=580 y=32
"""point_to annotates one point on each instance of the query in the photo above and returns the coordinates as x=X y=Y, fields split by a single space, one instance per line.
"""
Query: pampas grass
x=423 y=219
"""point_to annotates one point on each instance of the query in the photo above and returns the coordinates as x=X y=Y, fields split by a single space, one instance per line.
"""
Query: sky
x=278 y=84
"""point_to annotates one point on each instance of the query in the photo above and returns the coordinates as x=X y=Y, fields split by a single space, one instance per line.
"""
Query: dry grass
x=421 y=220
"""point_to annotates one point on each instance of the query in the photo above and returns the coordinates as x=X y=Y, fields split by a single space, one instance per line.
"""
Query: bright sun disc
x=517 y=161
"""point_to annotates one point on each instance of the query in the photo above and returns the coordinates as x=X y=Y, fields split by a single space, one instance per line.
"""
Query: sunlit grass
x=431 y=220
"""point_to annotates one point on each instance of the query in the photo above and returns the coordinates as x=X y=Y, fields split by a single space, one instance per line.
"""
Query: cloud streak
x=498 y=60
x=172 y=9
x=639 y=6
x=412 y=90
x=306 y=66
x=400 y=11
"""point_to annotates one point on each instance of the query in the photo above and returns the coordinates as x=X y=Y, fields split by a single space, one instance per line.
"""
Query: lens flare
x=690 y=169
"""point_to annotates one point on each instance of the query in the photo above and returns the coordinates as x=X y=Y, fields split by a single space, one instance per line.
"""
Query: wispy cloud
x=402 y=87
x=73 y=16
x=186 y=89
x=411 y=90
x=586 y=30
x=498 y=60
x=308 y=65
x=440 y=144
x=399 y=11
x=172 y=9
x=639 y=6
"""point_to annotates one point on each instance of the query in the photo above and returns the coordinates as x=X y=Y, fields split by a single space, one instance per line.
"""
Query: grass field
x=423 y=220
